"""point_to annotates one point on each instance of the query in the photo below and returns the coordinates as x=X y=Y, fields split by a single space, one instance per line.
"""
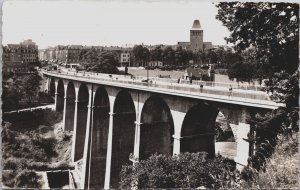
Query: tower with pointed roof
x=196 y=36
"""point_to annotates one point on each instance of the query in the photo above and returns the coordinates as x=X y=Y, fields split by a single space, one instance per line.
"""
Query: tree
x=211 y=56
x=241 y=72
x=38 y=64
x=141 y=54
x=138 y=52
x=99 y=61
x=146 y=55
x=20 y=88
x=197 y=56
x=190 y=55
x=181 y=57
x=230 y=57
x=272 y=28
x=244 y=69
x=169 y=55
x=30 y=87
x=156 y=54
x=105 y=62
x=202 y=57
x=12 y=93
x=286 y=89
x=89 y=57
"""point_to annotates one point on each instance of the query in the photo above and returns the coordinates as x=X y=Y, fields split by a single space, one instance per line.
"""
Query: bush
x=188 y=170
x=14 y=163
x=67 y=135
x=45 y=98
x=281 y=169
x=7 y=134
x=51 y=117
x=27 y=179
x=8 y=177
x=47 y=144
x=24 y=149
x=266 y=128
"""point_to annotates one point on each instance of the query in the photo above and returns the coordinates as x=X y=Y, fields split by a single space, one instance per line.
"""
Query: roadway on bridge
x=215 y=93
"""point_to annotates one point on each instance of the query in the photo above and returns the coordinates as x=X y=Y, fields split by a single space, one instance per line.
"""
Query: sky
x=108 y=23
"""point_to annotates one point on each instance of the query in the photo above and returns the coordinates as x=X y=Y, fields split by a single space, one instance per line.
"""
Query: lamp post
x=147 y=72
x=147 y=68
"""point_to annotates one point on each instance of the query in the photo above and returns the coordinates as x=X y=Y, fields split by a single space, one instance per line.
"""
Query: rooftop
x=196 y=25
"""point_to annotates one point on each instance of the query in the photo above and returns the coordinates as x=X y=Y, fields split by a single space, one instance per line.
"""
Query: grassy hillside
x=281 y=169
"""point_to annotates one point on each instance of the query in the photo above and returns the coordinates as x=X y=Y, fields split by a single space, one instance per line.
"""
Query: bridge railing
x=243 y=86
x=182 y=88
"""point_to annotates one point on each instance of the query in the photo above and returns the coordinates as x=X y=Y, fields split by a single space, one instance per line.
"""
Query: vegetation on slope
x=188 y=170
x=193 y=170
x=23 y=91
x=281 y=169
x=40 y=148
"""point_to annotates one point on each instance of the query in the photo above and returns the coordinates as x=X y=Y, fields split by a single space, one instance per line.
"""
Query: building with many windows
x=125 y=59
x=19 y=57
x=71 y=54
x=61 y=54
x=29 y=51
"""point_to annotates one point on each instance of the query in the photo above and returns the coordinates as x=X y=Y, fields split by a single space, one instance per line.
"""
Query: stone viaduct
x=115 y=122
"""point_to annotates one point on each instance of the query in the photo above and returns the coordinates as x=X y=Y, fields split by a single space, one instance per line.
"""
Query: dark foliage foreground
x=188 y=170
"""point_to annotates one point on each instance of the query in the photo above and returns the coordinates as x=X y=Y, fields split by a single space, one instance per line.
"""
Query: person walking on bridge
x=201 y=88
x=230 y=90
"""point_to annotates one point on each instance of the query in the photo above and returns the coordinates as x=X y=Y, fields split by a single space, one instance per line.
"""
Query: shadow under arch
x=70 y=107
x=52 y=87
x=198 y=130
x=83 y=98
x=99 y=136
x=60 y=96
x=157 y=128
x=123 y=134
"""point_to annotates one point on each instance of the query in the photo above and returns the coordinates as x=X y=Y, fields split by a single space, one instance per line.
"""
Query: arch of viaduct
x=111 y=124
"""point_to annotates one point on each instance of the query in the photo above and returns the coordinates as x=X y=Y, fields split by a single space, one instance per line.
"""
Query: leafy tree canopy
x=141 y=53
x=31 y=86
x=100 y=61
x=273 y=28
x=156 y=54
x=19 y=88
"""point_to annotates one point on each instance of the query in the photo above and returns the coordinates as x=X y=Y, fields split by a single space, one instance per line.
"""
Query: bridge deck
x=219 y=94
